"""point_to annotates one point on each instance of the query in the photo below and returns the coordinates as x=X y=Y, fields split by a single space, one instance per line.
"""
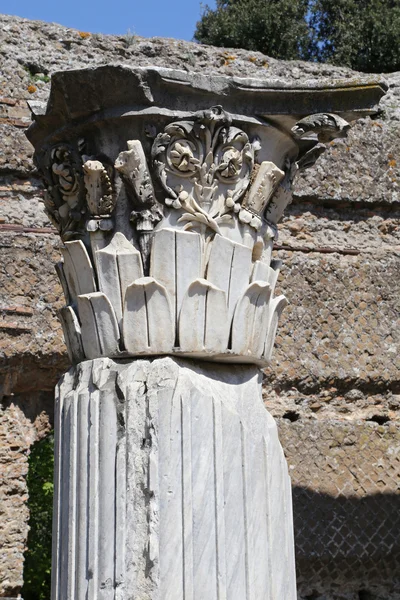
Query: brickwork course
x=334 y=383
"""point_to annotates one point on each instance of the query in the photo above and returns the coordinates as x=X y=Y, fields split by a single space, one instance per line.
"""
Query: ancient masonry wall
x=334 y=386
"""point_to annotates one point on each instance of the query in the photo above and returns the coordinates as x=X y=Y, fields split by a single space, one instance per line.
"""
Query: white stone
x=163 y=262
x=176 y=261
x=249 y=326
x=170 y=484
x=229 y=269
x=99 y=326
x=93 y=170
x=132 y=165
x=198 y=315
x=265 y=183
x=204 y=220
x=90 y=336
x=276 y=308
x=72 y=334
x=63 y=280
x=118 y=265
x=170 y=480
x=203 y=320
x=149 y=325
x=78 y=269
x=261 y=271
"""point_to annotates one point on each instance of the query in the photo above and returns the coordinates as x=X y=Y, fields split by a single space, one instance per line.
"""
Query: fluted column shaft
x=170 y=484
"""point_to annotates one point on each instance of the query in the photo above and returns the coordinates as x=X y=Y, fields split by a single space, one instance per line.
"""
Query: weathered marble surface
x=168 y=243
x=170 y=484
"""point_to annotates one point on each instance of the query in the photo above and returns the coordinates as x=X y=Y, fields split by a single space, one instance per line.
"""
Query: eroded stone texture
x=341 y=328
x=31 y=345
x=23 y=421
x=348 y=200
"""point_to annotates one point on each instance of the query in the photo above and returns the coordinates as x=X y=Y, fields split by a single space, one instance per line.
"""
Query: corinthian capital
x=167 y=203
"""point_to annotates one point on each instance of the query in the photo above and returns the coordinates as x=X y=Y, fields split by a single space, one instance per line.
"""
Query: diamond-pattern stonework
x=346 y=479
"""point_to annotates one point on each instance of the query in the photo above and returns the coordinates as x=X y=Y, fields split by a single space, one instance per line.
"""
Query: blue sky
x=166 y=18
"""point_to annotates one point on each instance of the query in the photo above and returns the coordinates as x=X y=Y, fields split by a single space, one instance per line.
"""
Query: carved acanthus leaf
x=325 y=126
x=64 y=198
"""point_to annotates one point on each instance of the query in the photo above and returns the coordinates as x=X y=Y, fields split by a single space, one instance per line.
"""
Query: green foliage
x=36 y=76
x=275 y=27
x=361 y=34
x=41 y=77
x=37 y=566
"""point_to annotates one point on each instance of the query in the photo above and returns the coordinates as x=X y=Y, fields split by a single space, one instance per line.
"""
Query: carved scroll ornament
x=64 y=198
x=204 y=166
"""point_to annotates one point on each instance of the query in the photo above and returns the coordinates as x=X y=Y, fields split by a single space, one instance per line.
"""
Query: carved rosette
x=204 y=167
x=188 y=270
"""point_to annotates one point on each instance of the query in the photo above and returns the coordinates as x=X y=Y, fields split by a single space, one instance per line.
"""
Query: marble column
x=170 y=481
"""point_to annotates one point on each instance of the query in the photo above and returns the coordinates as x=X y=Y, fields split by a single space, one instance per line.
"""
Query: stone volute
x=166 y=188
